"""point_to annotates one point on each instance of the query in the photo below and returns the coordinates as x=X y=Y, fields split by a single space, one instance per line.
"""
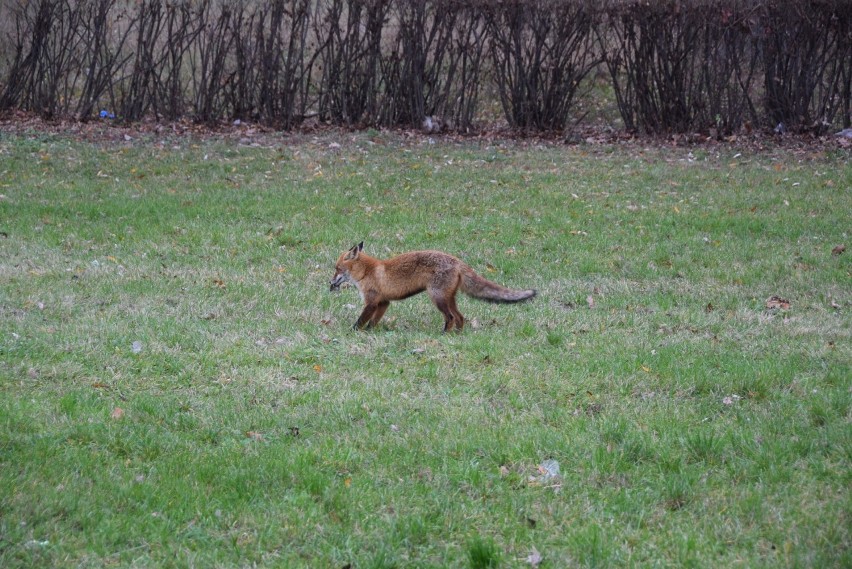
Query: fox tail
x=481 y=288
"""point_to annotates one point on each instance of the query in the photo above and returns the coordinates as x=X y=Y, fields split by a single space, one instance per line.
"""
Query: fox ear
x=353 y=252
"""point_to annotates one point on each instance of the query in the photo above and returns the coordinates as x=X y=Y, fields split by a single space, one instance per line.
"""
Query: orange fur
x=439 y=274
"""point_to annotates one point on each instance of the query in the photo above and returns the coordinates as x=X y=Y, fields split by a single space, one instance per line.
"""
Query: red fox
x=439 y=274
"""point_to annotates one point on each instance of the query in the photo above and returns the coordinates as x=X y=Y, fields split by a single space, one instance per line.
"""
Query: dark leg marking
x=380 y=311
x=365 y=316
x=458 y=319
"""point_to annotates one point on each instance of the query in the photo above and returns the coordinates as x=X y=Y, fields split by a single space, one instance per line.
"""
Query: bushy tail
x=483 y=289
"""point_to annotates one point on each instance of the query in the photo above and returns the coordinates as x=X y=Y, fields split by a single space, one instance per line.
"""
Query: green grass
x=692 y=426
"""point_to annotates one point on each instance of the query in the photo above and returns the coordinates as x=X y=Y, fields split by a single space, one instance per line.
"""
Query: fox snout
x=336 y=281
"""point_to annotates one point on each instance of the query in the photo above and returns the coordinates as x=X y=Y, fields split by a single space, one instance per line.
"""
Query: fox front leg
x=364 y=319
x=377 y=315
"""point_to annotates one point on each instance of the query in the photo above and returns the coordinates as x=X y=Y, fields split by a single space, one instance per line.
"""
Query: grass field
x=178 y=387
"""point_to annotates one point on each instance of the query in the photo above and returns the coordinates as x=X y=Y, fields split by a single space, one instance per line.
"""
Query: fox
x=440 y=274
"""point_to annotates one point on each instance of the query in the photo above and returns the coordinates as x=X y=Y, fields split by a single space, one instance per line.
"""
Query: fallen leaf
x=838 y=250
x=776 y=301
x=254 y=435
x=549 y=470
x=534 y=558
x=708 y=308
x=117 y=413
x=347 y=482
x=318 y=368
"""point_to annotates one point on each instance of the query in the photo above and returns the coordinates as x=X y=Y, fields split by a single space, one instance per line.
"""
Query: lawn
x=179 y=388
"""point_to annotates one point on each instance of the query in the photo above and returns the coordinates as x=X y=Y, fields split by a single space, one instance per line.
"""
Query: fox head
x=344 y=265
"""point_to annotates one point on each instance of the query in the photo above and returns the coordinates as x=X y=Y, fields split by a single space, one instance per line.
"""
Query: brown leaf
x=838 y=250
x=254 y=435
x=775 y=301
x=117 y=413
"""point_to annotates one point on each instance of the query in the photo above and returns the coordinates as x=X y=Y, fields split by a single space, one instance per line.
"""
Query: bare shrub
x=674 y=65
x=717 y=65
x=165 y=34
x=281 y=29
x=807 y=61
x=350 y=36
x=680 y=67
x=431 y=66
x=67 y=56
x=540 y=53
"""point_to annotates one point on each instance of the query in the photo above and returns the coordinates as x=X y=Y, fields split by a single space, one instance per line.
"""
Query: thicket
x=672 y=66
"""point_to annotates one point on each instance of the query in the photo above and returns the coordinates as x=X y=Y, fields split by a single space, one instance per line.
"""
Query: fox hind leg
x=458 y=319
x=447 y=305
